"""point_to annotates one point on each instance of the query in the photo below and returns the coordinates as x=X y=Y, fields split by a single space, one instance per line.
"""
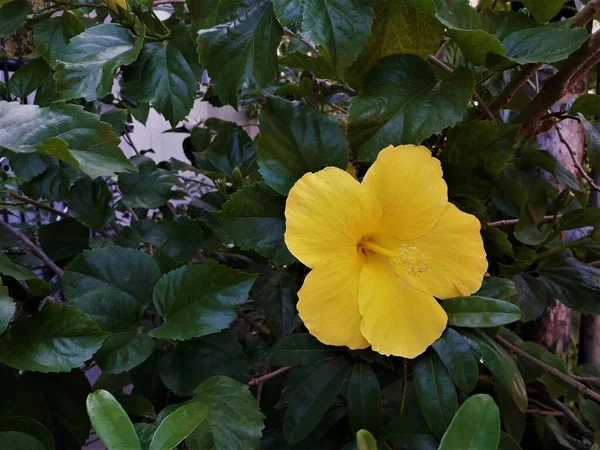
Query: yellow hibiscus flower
x=381 y=251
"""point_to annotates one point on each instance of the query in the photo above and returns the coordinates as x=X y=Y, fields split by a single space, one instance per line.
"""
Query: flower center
x=407 y=257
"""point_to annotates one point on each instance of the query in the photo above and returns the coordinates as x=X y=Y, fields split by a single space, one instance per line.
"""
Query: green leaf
x=110 y=421
x=199 y=300
x=507 y=442
x=92 y=146
x=241 y=52
x=178 y=425
x=533 y=296
x=551 y=43
x=299 y=350
x=496 y=287
x=435 y=391
x=364 y=399
x=295 y=139
x=340 y=28
x=208 y=13
x=234 y=418
x=138 y=405
x=592 y=140
x=554 y=386
x=572 y=282
x=465 y=27
x=28 y=426
x=7 y=267
x=500 y=364
x=64 y=239
x=52 y=35
x=586 y=104
x=365 y=440
x=29 y=77
x=591 y=413
x=18 y=439
x=402 y=102
x=401 y=27
x=7 y=308
x=312 y=398
x=57 y=339
x=458 y=359
x=111 y=285
x=145 y=433
x=480 y=312
x=543 y=10
x=12 y=15
x=475 y=426
x=586 y=217
x=90 y=203
x=149 y=188
x=220 y=147
x=514 y=420
x=124 y=351
x=475 y=156
x=162 y=76
x=87 y=67
x=253 y=218
x=185 y=367
x=182 y=241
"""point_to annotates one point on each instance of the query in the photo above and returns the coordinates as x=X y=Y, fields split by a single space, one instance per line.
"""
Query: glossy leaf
x=480 y=312
x=458 y=359
x=533 y=296
x=475 y=426
x=178 y=425
x=295 y=139
x=586 y=104
x=90 y=203
x=124 y=351
x=29 y=78
x=53 y=35
x=30 y=427
x=436 y=393
x=18 y=439
x=110 y=421
x=364 y=399
x=543 y=11
x=299 y=350
x=402 y=102
x=57 y=339
x=586 y=217
x=88 y=65
x=149 y=188
x=496 y=287
x=12 y=15
x=7 y=309
x=7 y=267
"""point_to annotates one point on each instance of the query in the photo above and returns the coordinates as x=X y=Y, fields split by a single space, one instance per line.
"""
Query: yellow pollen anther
x=410 y=258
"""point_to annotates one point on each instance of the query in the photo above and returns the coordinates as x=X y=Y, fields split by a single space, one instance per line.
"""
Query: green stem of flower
x=562 y=248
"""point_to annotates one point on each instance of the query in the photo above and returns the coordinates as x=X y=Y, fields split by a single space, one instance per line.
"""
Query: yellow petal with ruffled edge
x=328 y=300
x=408 y=183
x=326 y=211
x=397 y=318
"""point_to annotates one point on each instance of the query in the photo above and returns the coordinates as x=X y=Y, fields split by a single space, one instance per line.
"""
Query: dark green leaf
x=496 y=287
x=591 y=413
x=435 y=391
x=64 y=239
x=111 y=285
x=476 y=426
x=18 y=439
x=87 y=67
x=475 y=155
x=199 y=300
x=145 y=433
x=586 y=217
x=502 y=366
x=364 y=399
x=28 y=426
x=90 y=203
x=138 y=405
x=110 y=421
x=572 y=282
x=586 y=104
x=7 y=308
x=28 y=78
x=124 y=351
x=548 y=44
x=402 y=102
x=57 y=339
x=7 y=267
x=295 y=139
x=514 y=420
x=149 y=188
x=340 y=28
x=178 y=425
x=299 y=350
x=52 y=35
x=480 y=312
x=12 y=15
x=543 y=11
x=234 y=419
x=458 y=359
x=185 y=367
x=254 y=219
x=507 y=442
x=533 y=296
x=312 y=398
x=241 y=53
x=554 y=386
x=183 y=240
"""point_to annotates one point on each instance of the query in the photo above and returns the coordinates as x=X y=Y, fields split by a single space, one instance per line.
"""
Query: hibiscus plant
x=397 y=249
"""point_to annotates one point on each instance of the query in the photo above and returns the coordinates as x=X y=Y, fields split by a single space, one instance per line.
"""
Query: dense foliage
x=173 y=278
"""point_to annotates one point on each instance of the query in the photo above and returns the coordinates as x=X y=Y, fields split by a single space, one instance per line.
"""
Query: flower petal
x=408 y=182
x=397 y=318
x=328 y=300
x=456 y=257
x=326 y=211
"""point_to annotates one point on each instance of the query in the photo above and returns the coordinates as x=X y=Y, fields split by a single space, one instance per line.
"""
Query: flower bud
x=115 y=4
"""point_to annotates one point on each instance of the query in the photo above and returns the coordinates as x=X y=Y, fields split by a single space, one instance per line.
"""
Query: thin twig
x=134 y=217
x=314 y=52
x=38 y=204
x=484 y=108
x=541 y=412
x=166 y=2
x=592 y=380
x=194 y=180
x=33 y=248
x=572 y=418
x=577 y=164
x=130 y=142
x=511 y=222
x=338 y=108
x=260 y=328
x=557 y=373
x=268 y=376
